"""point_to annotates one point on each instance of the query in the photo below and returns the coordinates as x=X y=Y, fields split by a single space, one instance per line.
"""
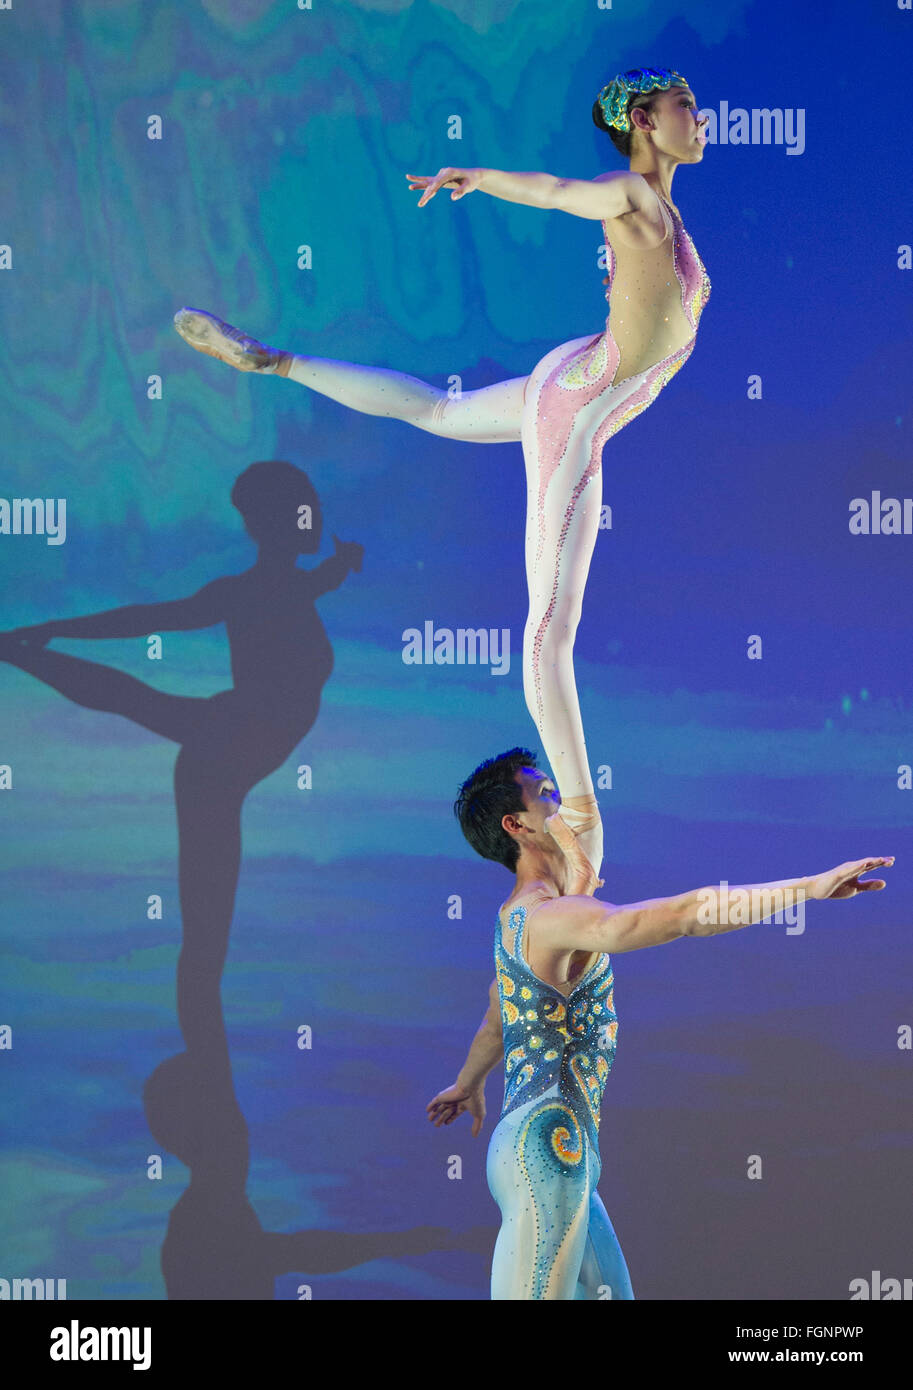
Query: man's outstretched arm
x=586 y=924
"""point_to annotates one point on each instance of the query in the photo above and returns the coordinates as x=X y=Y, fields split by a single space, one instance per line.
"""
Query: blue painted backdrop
x=284 y=127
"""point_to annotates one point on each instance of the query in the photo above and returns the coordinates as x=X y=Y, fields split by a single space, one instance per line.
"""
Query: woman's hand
x=465 y=181
x=844 y=881
x=447 y=1105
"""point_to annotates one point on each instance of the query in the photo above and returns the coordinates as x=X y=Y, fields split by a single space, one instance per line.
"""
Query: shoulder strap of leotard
x=516 y=920
x=517 y=917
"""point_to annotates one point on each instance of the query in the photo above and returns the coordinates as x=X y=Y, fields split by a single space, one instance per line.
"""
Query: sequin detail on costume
x=552 y=1034
x=580 y=407
x=690 y=269
x=557 y=1056
x=562 y=1040
x=587 y=368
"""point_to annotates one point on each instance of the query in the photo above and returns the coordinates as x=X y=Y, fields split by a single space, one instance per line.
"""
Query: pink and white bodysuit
x=575 y=398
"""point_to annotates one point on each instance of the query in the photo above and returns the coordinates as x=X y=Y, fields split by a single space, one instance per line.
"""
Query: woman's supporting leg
x=564 y=484
x=572 y=408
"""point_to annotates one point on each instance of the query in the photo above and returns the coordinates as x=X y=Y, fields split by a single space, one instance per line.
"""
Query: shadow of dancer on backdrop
x=215 y=1247
x=280 y=659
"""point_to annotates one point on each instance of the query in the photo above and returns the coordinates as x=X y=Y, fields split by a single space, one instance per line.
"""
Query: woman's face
x=678 y=127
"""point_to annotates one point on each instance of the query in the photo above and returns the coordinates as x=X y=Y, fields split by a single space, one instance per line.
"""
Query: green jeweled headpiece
x=614 y=96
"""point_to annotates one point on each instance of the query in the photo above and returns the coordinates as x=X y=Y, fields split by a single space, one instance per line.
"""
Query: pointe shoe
x=215 y=337
x=583 y=880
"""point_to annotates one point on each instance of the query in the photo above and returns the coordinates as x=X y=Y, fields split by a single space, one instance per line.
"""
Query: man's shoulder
x=559 y=919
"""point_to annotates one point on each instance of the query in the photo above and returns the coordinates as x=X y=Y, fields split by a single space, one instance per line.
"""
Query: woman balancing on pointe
x=575 y=398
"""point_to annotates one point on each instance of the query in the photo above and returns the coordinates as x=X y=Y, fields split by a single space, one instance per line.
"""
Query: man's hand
x=349 y=552
x=844 y=881
x=447 y=1105
x=581 y=877
x=465 y=181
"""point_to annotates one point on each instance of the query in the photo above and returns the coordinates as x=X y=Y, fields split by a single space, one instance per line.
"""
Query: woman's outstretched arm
x=606 y=196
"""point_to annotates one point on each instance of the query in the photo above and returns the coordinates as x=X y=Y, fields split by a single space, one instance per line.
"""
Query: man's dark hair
x=488 y=794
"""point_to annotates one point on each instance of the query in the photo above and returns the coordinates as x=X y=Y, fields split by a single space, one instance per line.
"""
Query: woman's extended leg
x=489 y=415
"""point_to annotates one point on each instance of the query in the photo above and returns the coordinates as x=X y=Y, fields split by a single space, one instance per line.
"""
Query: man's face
x=541 y=798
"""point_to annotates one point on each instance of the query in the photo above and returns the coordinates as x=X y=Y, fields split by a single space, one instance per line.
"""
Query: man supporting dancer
x=552 y=1019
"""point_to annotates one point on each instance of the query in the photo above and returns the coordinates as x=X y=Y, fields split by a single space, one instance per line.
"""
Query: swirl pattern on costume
x=552 y=1040
x=556 y=1240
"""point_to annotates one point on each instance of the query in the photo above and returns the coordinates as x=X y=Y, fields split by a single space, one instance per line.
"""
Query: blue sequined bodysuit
x=556 y=1240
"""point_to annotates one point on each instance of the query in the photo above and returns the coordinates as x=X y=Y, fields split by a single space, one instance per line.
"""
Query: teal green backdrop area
x=284 y=128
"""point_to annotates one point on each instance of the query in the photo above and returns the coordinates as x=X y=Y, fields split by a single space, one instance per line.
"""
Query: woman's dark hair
x=621 y=139
x=488 y=794
x=272 y=491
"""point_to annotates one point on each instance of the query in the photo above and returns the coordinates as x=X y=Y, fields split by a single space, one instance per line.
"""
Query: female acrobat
x=571 y=403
